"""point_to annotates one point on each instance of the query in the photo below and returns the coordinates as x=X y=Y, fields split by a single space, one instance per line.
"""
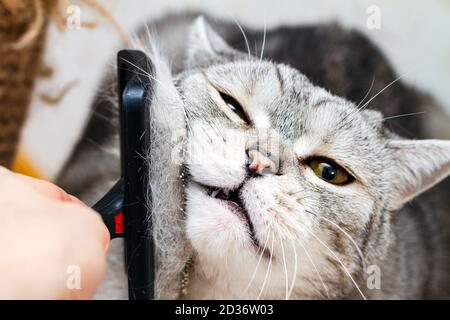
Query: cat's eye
x=330 y=171
x=234 y=106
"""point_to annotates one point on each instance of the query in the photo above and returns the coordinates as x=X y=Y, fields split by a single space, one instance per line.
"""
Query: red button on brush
x=118 y=219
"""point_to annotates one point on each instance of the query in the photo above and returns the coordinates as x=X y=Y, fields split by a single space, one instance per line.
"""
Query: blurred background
x=414 y=35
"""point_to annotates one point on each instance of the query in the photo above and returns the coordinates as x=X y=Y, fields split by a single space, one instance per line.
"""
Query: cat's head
x=291 y=190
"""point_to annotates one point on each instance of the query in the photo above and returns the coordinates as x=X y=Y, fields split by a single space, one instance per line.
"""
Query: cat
x=281 y=188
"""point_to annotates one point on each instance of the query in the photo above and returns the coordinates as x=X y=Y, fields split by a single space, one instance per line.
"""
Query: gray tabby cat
x=275 y=188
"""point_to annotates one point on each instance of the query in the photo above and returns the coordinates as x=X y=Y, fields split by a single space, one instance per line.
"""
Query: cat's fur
x=321 y=240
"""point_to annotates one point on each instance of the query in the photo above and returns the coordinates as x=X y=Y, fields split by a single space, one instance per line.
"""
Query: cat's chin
x=226 y=262
x=229 y=204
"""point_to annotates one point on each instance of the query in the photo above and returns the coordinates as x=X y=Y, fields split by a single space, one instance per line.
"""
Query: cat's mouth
x=232 y=199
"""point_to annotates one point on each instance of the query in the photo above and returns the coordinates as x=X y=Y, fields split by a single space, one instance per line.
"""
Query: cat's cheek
x=212 y=161
x=213 y=230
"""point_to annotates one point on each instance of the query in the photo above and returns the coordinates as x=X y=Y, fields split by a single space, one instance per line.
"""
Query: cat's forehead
x=280 y=98
x=294 y=106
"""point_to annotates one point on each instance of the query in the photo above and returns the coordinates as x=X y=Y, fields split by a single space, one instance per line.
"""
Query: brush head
x=135 y=96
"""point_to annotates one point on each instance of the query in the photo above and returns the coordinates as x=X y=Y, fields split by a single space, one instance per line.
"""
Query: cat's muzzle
x=233 y=200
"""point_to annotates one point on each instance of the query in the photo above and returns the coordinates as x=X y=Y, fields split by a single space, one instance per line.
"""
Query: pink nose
x=260 y=163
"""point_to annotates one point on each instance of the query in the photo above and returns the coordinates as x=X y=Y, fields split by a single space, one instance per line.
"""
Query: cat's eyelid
x=348 y=169
x=221 y=91
x=307 y=159
x=308 y=149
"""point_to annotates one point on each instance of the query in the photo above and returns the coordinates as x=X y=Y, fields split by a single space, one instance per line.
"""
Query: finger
x=43 y=187
x=76 y=200
x=4 y=171
x=47 y=189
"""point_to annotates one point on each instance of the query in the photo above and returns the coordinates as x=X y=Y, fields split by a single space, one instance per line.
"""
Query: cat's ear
x=205 y=46
x=418 y=165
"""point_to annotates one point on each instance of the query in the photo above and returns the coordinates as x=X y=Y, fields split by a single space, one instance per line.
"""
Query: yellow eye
x=329 y=171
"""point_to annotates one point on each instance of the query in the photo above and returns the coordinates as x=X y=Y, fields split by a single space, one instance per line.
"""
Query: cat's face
x=290 y=189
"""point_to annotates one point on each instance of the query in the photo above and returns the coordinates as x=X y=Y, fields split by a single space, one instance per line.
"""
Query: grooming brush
x=124 y=208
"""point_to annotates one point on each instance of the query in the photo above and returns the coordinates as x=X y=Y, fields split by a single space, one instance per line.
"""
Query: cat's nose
x=261 y=162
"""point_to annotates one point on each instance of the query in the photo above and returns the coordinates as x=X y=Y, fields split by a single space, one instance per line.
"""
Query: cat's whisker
x=381 y=91
x=262 y=249
x=286 y=233
x=294 y=225
x=285 y=269
x=316 y=270
x=367 y=93
x=341 y=263
x=264 y=33
x=361 y=108
x=145 y=73
x=243 y=34
x=358 y=249
x=294 y=276
x=404 y=115
x=269 y=268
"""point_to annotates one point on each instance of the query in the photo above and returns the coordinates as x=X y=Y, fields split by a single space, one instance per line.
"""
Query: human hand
x=47 y=239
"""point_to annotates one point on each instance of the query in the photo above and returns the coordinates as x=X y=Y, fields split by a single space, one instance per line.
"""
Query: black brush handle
x=110 y=209
x=135 y=92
